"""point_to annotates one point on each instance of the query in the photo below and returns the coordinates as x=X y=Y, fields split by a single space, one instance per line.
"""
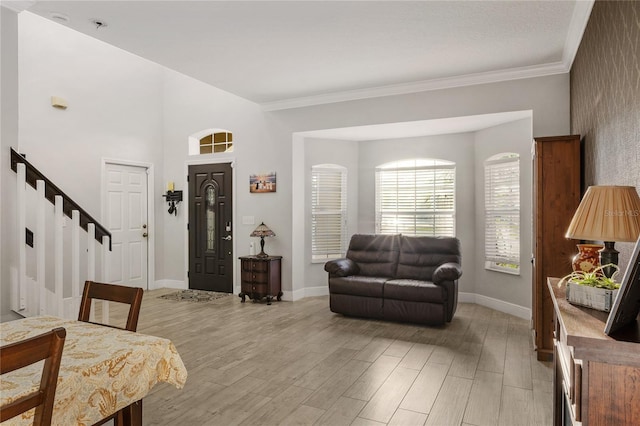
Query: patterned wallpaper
x=605 y=97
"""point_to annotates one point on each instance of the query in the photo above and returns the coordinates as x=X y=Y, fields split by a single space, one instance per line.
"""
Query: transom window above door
x=211 y=141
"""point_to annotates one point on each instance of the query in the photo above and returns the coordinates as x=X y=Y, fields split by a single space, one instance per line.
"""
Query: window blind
x=416 y=200
x=328 y=212
x=502 y=211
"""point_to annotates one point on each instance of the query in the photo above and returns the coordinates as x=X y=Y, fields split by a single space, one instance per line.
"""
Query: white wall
x=342 y=153
x=513 y=289
x=114 y=112
x=114 y=108
x=191 y=106
x=8 y=138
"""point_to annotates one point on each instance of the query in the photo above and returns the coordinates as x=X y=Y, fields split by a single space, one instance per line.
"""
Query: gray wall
x=510 y=137
x=605 y=98
x=342 y=153
x=458 y=148
x=9 y=137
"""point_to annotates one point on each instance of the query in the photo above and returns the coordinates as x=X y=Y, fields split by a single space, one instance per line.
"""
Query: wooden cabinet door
x=556 y=196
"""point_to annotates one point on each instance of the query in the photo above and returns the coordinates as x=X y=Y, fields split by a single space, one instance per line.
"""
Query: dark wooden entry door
x=210 y=216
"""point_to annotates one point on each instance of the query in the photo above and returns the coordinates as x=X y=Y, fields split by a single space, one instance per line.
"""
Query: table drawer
x=260 y=289
x=571 y=380
x=258 y=266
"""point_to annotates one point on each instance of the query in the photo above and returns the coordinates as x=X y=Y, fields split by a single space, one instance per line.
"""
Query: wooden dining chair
x=113 y=293
x=48 y=347
x=121 y=294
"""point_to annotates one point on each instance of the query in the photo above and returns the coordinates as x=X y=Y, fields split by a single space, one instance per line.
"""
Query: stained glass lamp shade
x=262 y=231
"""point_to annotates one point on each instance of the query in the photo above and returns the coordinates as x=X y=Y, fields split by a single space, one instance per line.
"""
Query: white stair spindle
x=105 y=276
x=39 y=242
x=58 y=265
x=75 y=260
x=91 y=262
x=21 y=225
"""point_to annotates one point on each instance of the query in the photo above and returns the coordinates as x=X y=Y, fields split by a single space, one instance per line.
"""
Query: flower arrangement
x=595 y=278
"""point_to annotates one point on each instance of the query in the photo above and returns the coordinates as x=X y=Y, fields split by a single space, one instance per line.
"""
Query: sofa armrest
x=342 y=267
x=449 y=271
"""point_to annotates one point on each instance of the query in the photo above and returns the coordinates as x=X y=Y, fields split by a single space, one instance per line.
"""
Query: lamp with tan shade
x=609 y=214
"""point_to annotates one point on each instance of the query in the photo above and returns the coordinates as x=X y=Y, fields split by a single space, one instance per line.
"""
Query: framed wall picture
x=262 y=182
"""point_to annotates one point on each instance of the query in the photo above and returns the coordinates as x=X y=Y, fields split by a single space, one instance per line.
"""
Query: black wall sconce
x=173 y=198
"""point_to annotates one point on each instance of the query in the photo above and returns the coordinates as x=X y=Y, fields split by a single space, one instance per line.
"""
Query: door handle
x=145 y=235
x=227 y=238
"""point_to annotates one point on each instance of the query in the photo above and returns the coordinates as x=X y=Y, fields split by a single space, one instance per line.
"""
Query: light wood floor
x=298 y=363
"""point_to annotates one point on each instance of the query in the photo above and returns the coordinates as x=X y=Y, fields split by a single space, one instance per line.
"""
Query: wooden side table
x=260 y=278
x=595 y=376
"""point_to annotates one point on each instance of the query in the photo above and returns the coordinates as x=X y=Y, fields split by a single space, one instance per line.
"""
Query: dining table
x=103 y=370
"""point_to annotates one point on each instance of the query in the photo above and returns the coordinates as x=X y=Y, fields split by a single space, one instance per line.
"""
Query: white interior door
x=127 y=221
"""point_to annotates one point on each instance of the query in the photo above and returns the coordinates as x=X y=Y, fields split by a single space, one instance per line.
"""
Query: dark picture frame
x=626 y=307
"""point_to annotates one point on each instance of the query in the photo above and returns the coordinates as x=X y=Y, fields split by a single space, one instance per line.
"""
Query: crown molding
x=579 y=20
x=420 y=86
x=577 y=25
x=17 y=5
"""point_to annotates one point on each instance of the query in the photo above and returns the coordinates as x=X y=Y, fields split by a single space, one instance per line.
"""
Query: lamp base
x=262 y=253
x=608 y=255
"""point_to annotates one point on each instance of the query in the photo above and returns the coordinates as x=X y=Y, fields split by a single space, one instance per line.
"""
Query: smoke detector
x=99 y=23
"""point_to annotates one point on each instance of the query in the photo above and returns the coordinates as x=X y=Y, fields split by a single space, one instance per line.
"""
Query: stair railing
x=30 y=296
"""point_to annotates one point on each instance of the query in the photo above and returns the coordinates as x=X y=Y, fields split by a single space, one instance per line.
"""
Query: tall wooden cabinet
x=556 y=196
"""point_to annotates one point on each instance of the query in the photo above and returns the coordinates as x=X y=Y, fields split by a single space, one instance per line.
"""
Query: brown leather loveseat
x=397 y=277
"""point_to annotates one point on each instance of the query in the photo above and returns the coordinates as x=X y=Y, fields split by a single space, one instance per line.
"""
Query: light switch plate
x=248 y=220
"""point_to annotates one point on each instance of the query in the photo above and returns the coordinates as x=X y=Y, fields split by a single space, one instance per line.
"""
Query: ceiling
x=284 y=54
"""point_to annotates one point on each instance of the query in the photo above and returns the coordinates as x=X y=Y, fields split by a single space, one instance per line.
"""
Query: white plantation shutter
x=328 y=212
x=502 y=212
x=414 y=198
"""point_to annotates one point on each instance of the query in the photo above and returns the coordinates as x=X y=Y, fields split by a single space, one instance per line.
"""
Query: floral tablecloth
x=102 y=370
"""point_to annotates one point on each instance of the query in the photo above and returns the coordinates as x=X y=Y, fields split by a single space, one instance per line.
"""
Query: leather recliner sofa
x=397 y=277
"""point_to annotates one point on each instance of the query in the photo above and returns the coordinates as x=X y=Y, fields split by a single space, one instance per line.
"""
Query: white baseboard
x=181 y=285
x=305 y=292
x=498 y=305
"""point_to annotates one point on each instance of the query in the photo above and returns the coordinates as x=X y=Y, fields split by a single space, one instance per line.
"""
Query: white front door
x=126 y=211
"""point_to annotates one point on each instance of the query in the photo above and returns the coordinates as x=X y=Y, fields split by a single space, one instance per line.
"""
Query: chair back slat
x=113 y=293
x=48 y=347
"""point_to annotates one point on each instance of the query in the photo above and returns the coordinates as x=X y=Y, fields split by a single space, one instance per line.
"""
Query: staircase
x=38 y=284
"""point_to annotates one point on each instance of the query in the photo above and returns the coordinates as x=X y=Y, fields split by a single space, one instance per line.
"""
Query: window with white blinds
x=416 y=197
x=502 y=213
x=328 y=212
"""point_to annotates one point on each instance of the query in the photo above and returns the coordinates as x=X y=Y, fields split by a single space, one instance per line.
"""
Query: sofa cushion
x=375 y=255
x=357 y=306
x=414 y=290
x=417 y=312
x=420 y=256
x=357 y=285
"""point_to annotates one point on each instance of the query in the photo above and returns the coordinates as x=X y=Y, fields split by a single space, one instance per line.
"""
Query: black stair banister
x=50 y=192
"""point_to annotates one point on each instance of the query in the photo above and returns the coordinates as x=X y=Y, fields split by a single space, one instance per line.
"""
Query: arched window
x=328 y=212
x=416 y=197
x=211 y=141
x=502 y=212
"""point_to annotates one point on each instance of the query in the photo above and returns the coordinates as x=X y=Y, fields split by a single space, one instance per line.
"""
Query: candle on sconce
x=170 y=186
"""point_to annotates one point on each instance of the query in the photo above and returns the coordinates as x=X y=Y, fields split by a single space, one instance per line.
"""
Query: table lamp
x=262 y=231
x=609 y=214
